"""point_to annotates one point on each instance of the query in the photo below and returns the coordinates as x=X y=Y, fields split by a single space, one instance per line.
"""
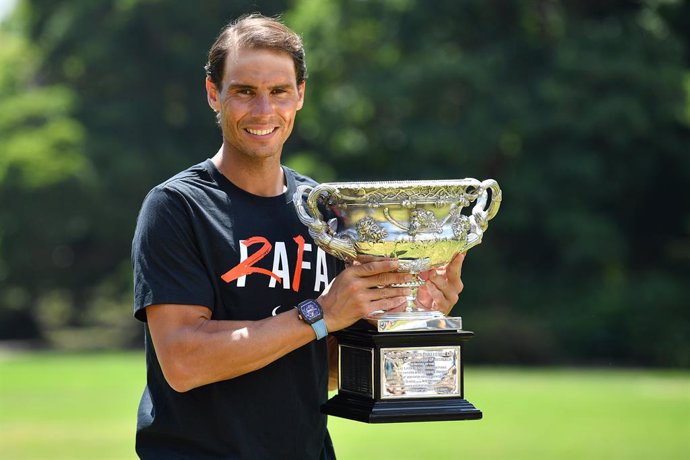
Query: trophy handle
x=319 y=230
x=482 y=212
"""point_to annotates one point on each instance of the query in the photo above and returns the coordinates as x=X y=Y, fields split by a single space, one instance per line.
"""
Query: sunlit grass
x=544 y=414
x=69 y=406
x=83 y=406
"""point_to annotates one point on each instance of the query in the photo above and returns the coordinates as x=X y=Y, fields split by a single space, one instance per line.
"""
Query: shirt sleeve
x=166 y=261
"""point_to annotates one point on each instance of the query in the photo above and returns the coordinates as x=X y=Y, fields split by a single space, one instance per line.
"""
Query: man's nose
x=262 y=104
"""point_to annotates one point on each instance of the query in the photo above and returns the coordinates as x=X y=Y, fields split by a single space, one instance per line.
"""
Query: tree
x=136 y=69
x=578 y=109
x=42 y=165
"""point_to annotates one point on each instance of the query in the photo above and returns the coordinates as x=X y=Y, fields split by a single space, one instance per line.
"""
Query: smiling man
x=237 y=299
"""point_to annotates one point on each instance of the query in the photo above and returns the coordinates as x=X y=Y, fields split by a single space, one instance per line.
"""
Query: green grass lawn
x=83 y=406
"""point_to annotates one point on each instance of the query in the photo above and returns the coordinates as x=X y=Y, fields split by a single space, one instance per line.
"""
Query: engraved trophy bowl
x=422 y=223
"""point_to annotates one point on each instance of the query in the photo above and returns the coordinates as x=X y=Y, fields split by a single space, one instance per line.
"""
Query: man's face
x=258 y=102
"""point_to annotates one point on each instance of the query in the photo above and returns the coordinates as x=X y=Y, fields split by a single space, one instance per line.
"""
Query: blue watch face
x=310 y=311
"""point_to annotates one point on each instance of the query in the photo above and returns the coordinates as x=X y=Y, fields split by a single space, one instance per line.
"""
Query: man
x=234 y=371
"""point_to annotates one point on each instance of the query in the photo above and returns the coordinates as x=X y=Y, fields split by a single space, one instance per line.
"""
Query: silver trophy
x=423 y=224
x=409 y=368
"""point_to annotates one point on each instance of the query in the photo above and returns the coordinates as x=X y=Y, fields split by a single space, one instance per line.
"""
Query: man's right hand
x=362 y=289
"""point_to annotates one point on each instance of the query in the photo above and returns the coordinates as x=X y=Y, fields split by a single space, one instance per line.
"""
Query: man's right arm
x=195 y=350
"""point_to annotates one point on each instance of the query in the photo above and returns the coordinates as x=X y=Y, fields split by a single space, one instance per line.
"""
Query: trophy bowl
x=422 y=223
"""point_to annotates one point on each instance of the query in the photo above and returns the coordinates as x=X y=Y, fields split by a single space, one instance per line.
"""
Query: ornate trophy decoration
x=423 y=224
x=407 y=367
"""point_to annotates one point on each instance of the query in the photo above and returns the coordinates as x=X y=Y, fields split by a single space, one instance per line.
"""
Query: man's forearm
x=194 y=350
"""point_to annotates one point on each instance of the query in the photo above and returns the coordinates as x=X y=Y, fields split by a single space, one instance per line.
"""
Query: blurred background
x=578 y=295
x=579 y=109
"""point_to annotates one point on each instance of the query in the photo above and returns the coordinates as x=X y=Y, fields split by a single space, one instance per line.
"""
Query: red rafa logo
x=280 y=272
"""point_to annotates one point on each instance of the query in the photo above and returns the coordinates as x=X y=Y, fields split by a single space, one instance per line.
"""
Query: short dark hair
x=255 y=31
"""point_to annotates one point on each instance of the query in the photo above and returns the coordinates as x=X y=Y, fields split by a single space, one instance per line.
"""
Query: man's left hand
x=443 y=286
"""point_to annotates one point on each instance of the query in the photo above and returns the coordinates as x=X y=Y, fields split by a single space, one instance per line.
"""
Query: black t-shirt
x=200 y=240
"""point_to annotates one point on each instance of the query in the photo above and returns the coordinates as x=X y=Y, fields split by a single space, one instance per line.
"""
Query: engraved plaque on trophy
x=408 y=366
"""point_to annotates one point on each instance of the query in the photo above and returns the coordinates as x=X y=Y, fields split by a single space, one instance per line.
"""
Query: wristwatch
x=311 y=313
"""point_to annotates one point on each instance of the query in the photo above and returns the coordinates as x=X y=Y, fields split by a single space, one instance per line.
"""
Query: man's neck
x=262 y=178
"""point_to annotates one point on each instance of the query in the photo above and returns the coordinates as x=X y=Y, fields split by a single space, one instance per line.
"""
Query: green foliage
x=40 y=142
x=41 y=154
x=580 y=113
x=580 y=110
x=130 y=74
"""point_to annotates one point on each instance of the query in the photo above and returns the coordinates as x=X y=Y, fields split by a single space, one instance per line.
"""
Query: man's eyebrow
x=241 y=86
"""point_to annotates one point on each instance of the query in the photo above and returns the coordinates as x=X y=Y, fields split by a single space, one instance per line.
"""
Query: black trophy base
x=420 y=410
x=361 y=361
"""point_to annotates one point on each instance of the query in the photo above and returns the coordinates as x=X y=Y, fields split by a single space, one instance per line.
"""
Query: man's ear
x=212 y=95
